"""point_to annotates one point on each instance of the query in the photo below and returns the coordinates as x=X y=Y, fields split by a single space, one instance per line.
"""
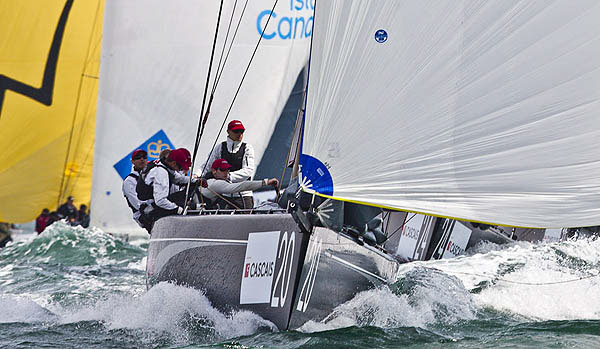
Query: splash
x=17 y=309
x=168 y=308
x=523 y=281
x=67 y=245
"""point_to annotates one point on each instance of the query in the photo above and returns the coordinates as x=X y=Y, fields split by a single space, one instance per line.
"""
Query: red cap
x=138 y=152
x=182 y=157
x=235 y=125
x=221 y=164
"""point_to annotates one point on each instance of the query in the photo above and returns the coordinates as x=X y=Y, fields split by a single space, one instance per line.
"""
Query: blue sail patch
x=315 y=175
x=153 y=146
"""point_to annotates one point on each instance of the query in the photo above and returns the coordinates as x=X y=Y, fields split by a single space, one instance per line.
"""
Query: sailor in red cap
x=239 y=155
x=220 y=186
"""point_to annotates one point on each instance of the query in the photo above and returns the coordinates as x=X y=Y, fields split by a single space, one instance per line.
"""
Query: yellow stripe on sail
x=49 y=60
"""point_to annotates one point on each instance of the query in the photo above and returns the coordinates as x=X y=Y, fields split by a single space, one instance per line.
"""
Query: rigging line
x=400 y=227
x=230 y=46
x=285 y=162
x=241 y=82
x=212 y=56
x=63 y=186
x=224 y=44
x=201 y=123
x=523 y=282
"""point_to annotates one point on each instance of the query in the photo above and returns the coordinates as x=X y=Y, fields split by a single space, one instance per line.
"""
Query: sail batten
x=483 y=111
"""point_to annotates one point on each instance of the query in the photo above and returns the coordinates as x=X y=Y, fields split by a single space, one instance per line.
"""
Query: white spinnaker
x=154 y=64
x=480 y=110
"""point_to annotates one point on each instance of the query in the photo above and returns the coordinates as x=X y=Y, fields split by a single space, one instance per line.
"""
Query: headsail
x=49 y=59
x=478 y=110
x=154 y=64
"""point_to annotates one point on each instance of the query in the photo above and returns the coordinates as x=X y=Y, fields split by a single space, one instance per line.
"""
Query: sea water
x=72 y=287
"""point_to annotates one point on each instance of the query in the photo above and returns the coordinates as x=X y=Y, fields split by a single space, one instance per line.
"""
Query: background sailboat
x=49 y=59
x=152 y=79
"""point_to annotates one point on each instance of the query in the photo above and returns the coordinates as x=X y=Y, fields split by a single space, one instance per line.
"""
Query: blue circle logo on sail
x=381 y=36
x=315 y=175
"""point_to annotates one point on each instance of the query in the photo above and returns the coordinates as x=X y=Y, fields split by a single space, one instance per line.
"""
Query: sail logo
x=258 y=270
x=315 y=175
x=410 y=232
x=457 y=243
x=454 y=248
x=43 y=94
x=381 y=36
x=153 y=146
x=295 y=24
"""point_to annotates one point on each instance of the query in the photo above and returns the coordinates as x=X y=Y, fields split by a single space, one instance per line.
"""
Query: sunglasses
x=237 y=131
x=137 y=157
x=222 y=169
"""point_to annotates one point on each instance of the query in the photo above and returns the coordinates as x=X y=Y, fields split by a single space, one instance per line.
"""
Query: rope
x=220 y=73
x=222 y=197
x=398 y=229
x=202 y=122
x=242 y=81
x=523 y=282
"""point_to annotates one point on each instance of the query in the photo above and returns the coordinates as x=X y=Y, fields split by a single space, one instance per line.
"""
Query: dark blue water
x=75 y=287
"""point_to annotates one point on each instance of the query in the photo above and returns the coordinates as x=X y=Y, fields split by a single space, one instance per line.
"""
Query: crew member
x=42 y=220
x=239 y=155
x=68 y=210
x=165 y=180
x=138 y=159
x=220 y=188
x=83 y=217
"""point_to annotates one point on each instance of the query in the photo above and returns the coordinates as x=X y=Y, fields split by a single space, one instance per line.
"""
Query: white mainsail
x=479 y=110
x=154 y=64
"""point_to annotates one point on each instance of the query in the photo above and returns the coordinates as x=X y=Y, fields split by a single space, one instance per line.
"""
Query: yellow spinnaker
x=49 y=61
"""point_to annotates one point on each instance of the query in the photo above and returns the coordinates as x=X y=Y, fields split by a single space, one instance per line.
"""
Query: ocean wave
x=63 y=244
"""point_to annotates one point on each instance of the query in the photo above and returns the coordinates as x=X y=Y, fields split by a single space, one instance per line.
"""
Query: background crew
x=239 y=155
x=68 y=210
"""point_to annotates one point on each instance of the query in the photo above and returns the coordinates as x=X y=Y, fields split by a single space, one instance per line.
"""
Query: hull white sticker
x=552 y=235
x=458 y=241
x=410 y=236
x=259 y=267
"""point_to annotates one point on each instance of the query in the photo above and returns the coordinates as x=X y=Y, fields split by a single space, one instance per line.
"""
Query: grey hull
x=263 y=263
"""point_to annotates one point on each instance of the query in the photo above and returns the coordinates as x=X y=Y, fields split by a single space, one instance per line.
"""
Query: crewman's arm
x=224 y=187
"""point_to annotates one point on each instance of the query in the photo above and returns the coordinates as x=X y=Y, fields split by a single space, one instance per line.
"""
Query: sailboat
x=49 y=60
x=428 y=127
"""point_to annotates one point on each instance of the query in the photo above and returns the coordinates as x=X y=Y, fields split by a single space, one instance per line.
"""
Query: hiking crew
x=217 y=194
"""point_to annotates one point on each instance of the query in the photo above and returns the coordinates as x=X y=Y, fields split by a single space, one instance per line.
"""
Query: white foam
x=428 y=300
x=164 y=308
x=17 y=309
x=511 y=270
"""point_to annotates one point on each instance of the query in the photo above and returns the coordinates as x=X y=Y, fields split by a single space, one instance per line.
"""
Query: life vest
x=145 y=191
x=136 y=177
x=234 y=159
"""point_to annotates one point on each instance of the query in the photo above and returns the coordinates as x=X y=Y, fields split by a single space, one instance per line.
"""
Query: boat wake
x=523 y=282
